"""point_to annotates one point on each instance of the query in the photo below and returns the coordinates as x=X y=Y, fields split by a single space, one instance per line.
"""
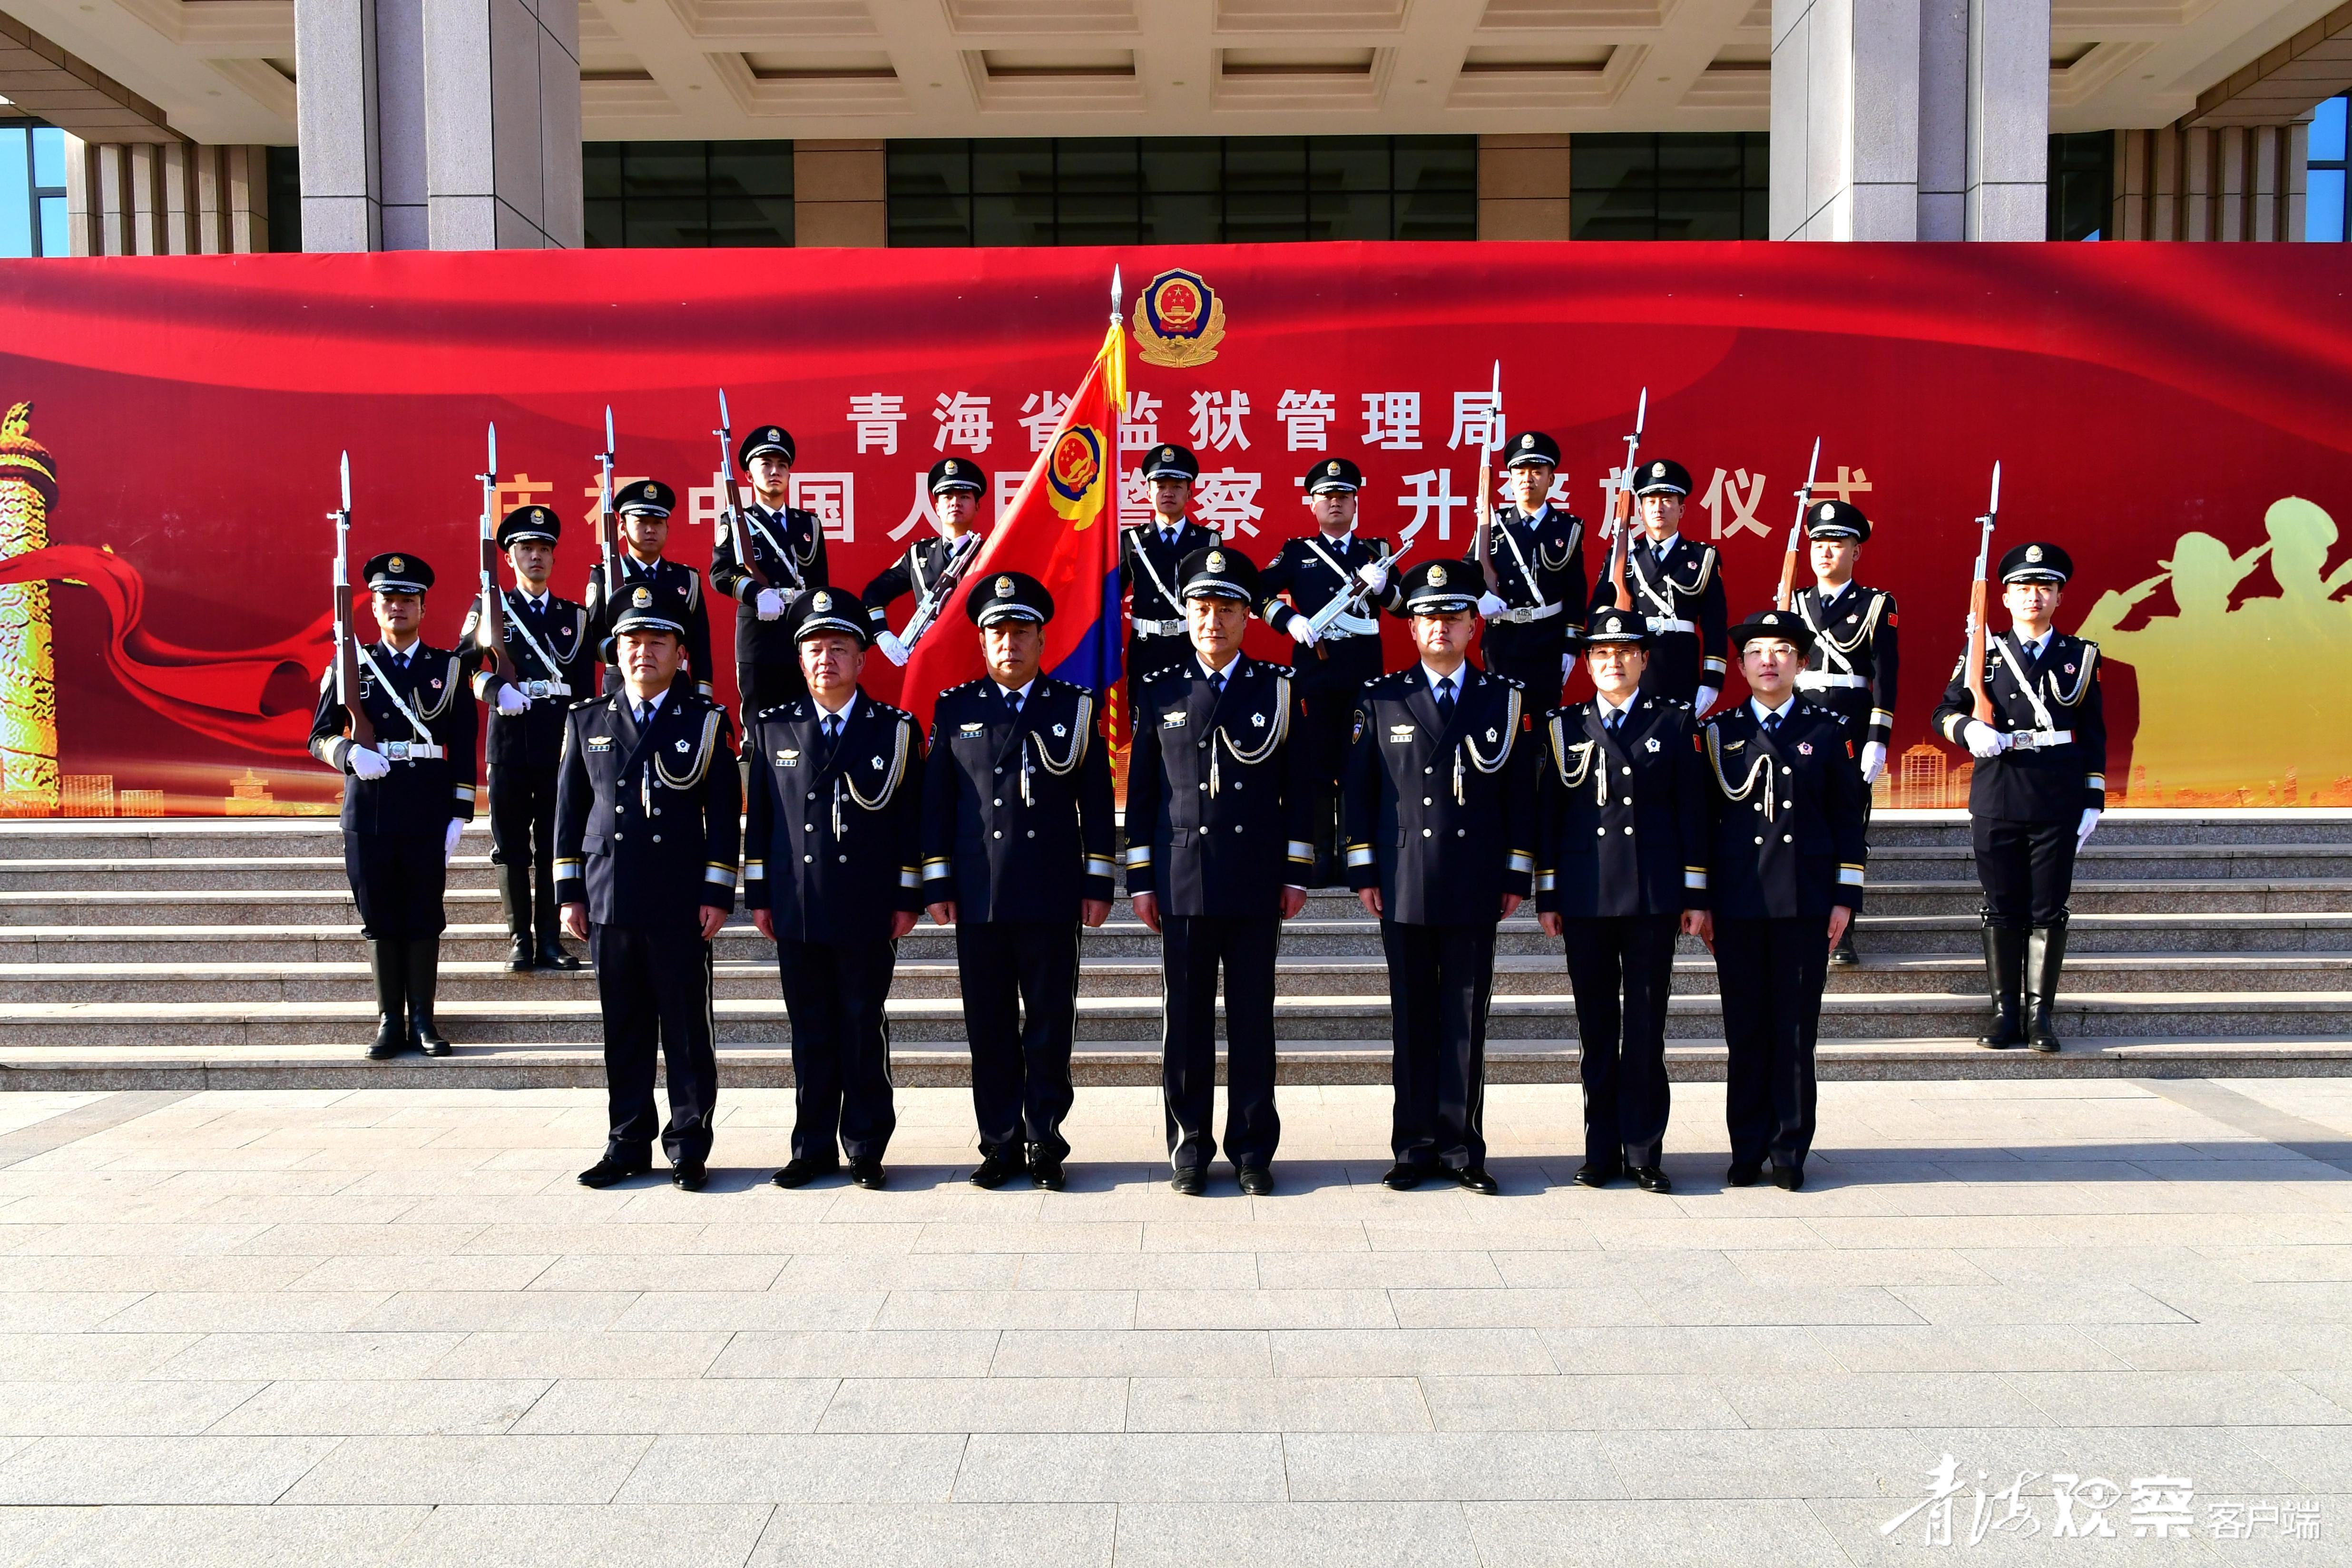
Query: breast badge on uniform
x=1175 y=720
x=600 y=743
x=1399 y=735
x=681 y=746
x=1179 y=321
x=1259 y=719
x=788 y=757
x=1804 y=748
x=1651 y=743
x=971 y=728
x=1060 y=730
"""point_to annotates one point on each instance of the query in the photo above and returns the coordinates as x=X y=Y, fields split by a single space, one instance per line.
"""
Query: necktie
x=1445 y=698
x=831 y=728
x=644 y=715
x=1616 y=723
x=1168 y=537
x=1013 y=701
x=1772 y=723
x=1217 y=679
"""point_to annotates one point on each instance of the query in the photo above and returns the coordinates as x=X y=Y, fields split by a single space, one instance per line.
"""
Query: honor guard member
x=832 y=874
x=547 y=640
x=956 y=485
x=1152 y=561
x=1678 y=585
x=1017 y=838
x=1621 y=818
x=1330 y=664
x=1216 y=861
x=643 y=506
x=1439 y=796
x=1785 y=878
x=648 y=818
x=1538 y=553
x=407 y=797
x=2040 y=784
x=1851 y=668
x=788 y=544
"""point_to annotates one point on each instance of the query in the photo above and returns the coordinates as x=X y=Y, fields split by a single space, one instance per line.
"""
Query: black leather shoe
x=611 y=1173
x=519 y=955
x=1744 y=1175
x=391 y=1039
x=1842 y=956
x=869 y=1175
x=552 y=954
x=1189 y=1181
x=1257 y=1181
x=997 y=1169
x=1650 y=1179
x=689 y=1176
x=800 y=1172
x=1404 y=1176
x=1789 y=1178
x=1591 y=1174
x=1045 y=1171
x=1474 y=1178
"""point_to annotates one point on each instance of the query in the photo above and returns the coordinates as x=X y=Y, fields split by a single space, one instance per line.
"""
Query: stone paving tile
x=1298 y=1535
x=1437 y=1467
x=163 y=1470
x=582 y=1536
x=1129 y=1467
x=904 y=1352
x=655 y=1406
x=198 y=1537
x=1287 y=1404
x=447 y=1469
x=409 y=1407
x=1002 y=1404
x=122 y=1409
x=941 y=1535
x=800 y=1467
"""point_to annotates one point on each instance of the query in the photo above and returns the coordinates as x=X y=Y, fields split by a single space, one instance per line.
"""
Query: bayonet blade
x=1812 y=467
x=608 y=429
x=1994 y=510
x=494 y=451
x=347 y=481
x=725 y=424
x=1641 y=412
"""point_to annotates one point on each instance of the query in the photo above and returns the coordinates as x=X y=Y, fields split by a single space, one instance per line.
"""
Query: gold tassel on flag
x=28 y=694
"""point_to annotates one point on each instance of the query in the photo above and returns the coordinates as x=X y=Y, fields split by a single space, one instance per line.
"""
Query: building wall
x=170 y=198
x=2210 y=182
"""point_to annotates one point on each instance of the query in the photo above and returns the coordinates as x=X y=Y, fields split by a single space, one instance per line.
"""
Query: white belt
x=2039 y=739
x=538 y=690
x=410 y=751
x=1345 y=626
x=1527 y=614
x=1667 y=624
x=1815 y=680
x=1158 y=628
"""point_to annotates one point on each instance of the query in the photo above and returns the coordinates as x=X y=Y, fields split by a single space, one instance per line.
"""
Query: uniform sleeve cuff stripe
x=2096 y=781
x=1138 y=854
x=1881 y=716
x=1545 y=882
x=941 y=861
x=1300 y=850
x=1359 y=854
x=720 y=875
x=755 y=871
x=1694 y=877
x=1521 y=861
x=1101 y=865
x=909 y=878
x=567 y=868
x=1849 y=874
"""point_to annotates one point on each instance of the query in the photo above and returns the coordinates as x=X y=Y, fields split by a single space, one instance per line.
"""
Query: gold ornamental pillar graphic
x=29 y=693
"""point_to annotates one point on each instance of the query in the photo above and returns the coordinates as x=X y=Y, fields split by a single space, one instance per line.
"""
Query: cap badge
x=1004 y=587
x=820 y=601
x=1657 y=470
x=948 y=467
x=649 y=490
x=1332 y=466
x=1168 y=454
x=1527 y=443
x=1436 y=577
x=2034 y=552
x=642 y=597
x=1829 y=510
x=1216 y=561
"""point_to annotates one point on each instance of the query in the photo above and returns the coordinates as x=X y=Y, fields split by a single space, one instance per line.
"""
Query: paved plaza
x=387 y=1327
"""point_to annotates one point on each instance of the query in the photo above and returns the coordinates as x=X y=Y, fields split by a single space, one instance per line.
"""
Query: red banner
x=2177 y=416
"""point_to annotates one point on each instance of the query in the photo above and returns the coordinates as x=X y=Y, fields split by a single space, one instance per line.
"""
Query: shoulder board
x=1507 y=681
x=797 y=513
x=772 y=711
x=1394 y=679
x=1165 y=671
x=958 y=691
x=886 y=708
x=587 y=703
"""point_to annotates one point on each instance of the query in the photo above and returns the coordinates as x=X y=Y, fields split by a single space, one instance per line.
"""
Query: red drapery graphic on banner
x=2161 y=411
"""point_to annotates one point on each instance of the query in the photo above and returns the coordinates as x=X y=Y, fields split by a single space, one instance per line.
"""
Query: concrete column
x=1523 y=187
x=840 y=193
x=335 y=115
x=2009 y=119
x=143 y=199
x=81 y=198
x=1943 y=118
x=174 y=198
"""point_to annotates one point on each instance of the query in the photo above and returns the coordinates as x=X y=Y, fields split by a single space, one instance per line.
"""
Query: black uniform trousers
x=397 y=880
x=2027 y=870
x=1621 y=968
x=1441 y=978
x=1191 y=948
x=1020 y=1064
x=654 y=985
x=1530 y=655
x=764 y=682
x=522 y=833
x=833 y=993
x=1326 y=690
x=1771 y=973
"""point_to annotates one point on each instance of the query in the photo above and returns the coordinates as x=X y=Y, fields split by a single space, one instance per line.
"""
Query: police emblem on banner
x=1179 y=321
x=1074 y=475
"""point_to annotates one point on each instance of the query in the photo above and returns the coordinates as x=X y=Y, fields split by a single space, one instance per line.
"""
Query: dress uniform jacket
x=533 y=739
x=417 y=796
x=1851 y=666
x=1314 y=570
x=1440 y=816
x=1152 y=573
x=1538 y=560
x=835 y=843
x=648 y=826
x=1788 y=809
x=1017 y=808
x=1217 y=795
x=678 y=594
x=2056 y=700
x=1622 y=820
x=1681 y=598
x=790 y=550
x=915 y=570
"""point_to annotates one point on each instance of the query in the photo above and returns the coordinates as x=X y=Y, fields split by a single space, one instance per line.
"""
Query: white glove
x=770 y=604
x=2090 y=821
x=1874 y=761
x=1982 y=740
x=898 y=652
x=1490 y=605
x=367 y=764
x=1302 y=631
x=449 y=841
x=1704 y=700
x=1373 y=574
x=511 y=701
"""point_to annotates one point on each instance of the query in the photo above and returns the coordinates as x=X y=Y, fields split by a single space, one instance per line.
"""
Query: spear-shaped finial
x=1114 y=292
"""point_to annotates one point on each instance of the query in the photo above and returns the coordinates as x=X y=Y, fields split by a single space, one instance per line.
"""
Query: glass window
x=285 y=175
x=1709 y=185
x=687 y=193
x=32 y=189
x=2323 y=214
x=2327 y=130
x=2081 y=188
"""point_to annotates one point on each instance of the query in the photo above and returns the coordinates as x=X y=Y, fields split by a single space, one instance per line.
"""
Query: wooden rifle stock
x=738 y=528
x=1484 y=552
x=359 y=726
x=1621 y=505
x=1978 y=609
x=492 y=634
x=1788 y=594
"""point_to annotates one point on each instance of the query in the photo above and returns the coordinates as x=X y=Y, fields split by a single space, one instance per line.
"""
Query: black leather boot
x=514 y=902
x=423 y=964
x=1844 y=955
x=552 y=952
x=387 y=962
x=2004 y=951
x=2045 y=956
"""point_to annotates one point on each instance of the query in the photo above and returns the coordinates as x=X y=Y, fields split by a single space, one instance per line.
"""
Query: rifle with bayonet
x=492 y=633
x=608 y=520
x=347 y=653
x=960 y=555
x=1358 y=602
x=738 y=525
x=1483 y=551
x=1977 y=610
x=1788 y=594
x=1620 y=506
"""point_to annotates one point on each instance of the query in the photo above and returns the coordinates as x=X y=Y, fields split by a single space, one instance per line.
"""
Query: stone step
x=338 y=1065
x=750 y=980
x=919 y=1020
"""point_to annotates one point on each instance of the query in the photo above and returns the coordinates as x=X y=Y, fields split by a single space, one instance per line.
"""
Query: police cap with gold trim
x=956 y=473
x=1836 y=520
x=1170 y=461
x=641 y=611
x=1662 y=476
x=650 y=497
x=2037 y=563
x=1220 y=572
x=1785 y=625
x=1334 y=475
x=1614 y=626
x=1008 y=596
x=526 y=524
x=1440 y=588
x=770 y=438
x=1532 y=446
x=396 y=571
x=828 y=609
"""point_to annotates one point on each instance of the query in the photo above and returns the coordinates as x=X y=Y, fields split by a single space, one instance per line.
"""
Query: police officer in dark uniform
x=1439 y=797
x=1537 y=552
x=832 y=874
x=2040 y=785
x=547 y=644
x=1677 y=584
x=1216 y=859
x=648 y=830
x=408 y=794
x=1017 y=840
x=1152 y=561
x=1786 y=876
x=1852 y=666
x=1622 y=818
x=956 y=488
x=787 y=544
x=644 y=508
